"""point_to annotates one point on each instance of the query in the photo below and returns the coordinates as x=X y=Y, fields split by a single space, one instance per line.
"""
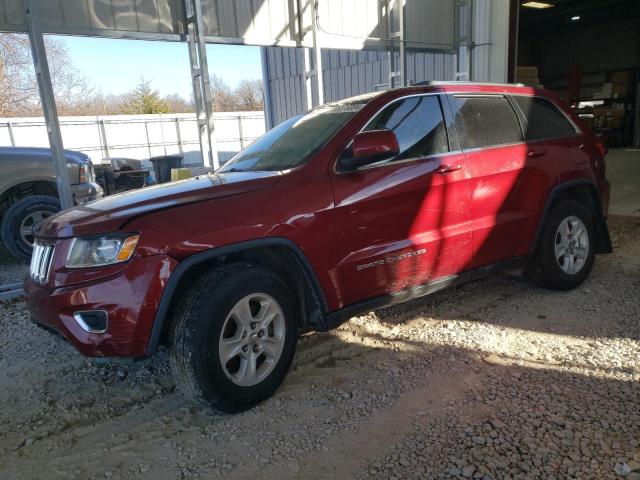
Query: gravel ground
x=497 y=379
x=11 y=271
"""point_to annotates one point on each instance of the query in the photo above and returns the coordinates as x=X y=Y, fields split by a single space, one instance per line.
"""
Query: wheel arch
x=24 y=188
x=585 y=192
x=276 y=253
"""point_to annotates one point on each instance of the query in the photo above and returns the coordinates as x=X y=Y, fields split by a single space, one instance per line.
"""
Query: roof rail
x=458 y=82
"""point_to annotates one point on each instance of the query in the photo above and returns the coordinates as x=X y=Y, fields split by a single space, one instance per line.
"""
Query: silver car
x=28 y=191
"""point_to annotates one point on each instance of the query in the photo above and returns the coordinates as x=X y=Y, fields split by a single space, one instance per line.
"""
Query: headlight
x=103 y=250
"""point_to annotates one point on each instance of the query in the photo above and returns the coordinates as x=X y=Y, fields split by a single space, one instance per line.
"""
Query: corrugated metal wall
x=98 y=17
x=285 y=67
x=258 y=22
x=341 y=24
x=364 y=23
x=489 y=32
x=349 y=73
x=430 y=24
x=345 y=73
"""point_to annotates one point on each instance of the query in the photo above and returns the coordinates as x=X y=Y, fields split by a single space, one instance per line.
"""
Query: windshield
x=294 y=141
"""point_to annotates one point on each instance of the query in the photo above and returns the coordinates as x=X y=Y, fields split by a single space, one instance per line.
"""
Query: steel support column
x=48 y=101
x=266 y=96
x=308 y=75
x=463 y=14
x=514 y=22
x=313 y=60
x=317 y=52
x=200 y=79
x=397 y=69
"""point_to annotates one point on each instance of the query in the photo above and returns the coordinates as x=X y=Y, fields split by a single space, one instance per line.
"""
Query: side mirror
x=370 y=147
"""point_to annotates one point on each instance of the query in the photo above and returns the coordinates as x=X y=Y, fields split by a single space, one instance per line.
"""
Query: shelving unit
x=611 y=117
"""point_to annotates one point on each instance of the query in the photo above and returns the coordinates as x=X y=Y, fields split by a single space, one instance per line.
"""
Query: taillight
x=84 y=174
x=602 y=148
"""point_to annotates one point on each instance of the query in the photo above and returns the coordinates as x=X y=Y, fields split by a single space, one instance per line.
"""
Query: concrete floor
x=623 y=171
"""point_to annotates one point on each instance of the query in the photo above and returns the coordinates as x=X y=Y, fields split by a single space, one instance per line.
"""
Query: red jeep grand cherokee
x=357 y=204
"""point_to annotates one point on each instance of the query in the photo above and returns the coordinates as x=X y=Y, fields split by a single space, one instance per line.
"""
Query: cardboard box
x=619 y=90
x=608 y=112
x=525 y=71
x=530 y=81
x=620 y=77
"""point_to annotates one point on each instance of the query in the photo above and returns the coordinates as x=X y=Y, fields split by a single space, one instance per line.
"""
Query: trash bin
x=163 y=164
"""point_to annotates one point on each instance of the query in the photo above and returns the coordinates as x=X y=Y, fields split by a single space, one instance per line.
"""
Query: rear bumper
x=130 y=298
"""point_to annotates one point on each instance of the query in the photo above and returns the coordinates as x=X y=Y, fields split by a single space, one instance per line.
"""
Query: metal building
x=444 y=40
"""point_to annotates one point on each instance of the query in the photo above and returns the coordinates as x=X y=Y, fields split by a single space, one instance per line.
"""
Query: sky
x=115 y=66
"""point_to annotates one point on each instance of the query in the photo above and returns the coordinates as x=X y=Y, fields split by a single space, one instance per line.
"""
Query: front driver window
x=418 y=124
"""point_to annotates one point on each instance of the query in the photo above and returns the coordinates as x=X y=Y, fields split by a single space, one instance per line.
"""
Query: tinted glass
x=485 y=121
x=418 y=125
x=544 y=120
x=294 y=141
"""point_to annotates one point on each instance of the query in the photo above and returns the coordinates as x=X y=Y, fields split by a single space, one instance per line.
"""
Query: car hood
x=110 y=213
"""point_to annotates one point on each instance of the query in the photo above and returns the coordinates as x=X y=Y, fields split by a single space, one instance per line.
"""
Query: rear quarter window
x=543 y=119
x=485 y=121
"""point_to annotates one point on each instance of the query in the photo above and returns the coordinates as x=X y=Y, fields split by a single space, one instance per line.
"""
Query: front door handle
x=443 y=169
x=535 y=153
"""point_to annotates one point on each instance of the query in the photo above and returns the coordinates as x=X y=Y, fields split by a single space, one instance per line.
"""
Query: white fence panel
x=138 y=136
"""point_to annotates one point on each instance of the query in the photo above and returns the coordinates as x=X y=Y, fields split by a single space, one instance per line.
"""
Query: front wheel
x=565 y=255
x=234 y=337
x=18 y=223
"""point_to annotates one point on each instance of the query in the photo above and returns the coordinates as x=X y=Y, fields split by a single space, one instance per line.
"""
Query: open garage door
x=589 y=54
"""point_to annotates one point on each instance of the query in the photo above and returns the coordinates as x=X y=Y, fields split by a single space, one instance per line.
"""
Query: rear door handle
x=535 y=153
x=443 y=169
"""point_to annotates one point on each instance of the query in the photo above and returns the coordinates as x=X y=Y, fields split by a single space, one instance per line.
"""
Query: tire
x=197 y=335
x=20 y=218
x=565 y=271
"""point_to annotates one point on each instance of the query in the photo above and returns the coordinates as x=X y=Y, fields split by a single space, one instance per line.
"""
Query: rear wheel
x=234 y=336
x=565 y=255
x=20 y=219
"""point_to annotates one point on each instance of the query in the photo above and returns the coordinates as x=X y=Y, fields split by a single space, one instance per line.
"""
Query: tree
x=222 y=98
x=17 y=81
x=178 y=104
x=249 y=95
x=144 y=100
x=19 y=94
x=18 y=87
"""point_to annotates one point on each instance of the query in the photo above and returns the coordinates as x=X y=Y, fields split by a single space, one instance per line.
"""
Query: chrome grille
x=41 y=262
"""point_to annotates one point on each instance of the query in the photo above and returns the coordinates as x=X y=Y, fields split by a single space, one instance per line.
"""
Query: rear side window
x=418 y=124
x=544 y=120
x=485 y=121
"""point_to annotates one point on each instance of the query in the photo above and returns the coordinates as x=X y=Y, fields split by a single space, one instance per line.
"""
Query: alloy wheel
x=252 y=339
x=571 y=245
